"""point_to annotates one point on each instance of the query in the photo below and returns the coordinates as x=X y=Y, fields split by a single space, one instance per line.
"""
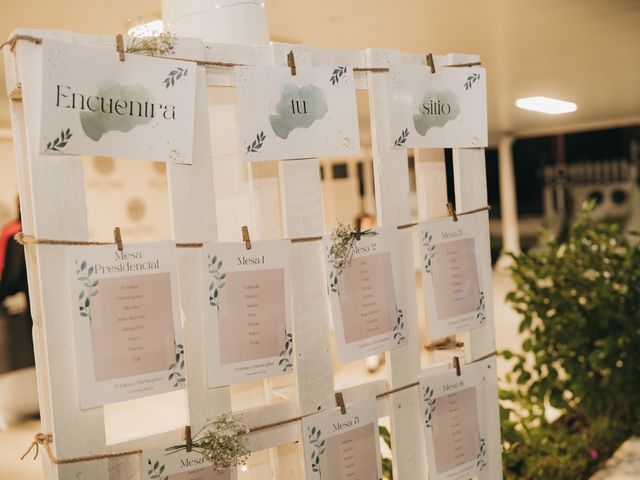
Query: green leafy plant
x=257 y=143
x=84 y=274
x=471 y=79
x=400 y=141
x=579 y=303
x=337 y=73
x=59 y=142
x=175 y=75
x=387 y=464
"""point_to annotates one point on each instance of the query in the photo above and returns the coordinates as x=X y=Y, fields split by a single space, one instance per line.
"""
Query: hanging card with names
x=456 y=273
x=365 y=303
x=446 y=109
x=126 y=322
x=340 y=445
x=454 y=422
x=284 y=116
x=171 y=464
x=94 y=104
x=248 y=326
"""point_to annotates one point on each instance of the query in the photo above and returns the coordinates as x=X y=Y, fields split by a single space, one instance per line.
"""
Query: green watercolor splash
x=96 y=124
x=285 y=121
x=424 y=121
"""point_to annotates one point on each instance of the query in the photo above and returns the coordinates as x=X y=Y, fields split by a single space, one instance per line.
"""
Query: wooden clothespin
x=340 y=402
x=452 y=211
x=187 y=438
x=456 y=365
x=117 y=237
x=358 y=228
x=291 y=62
x=120 y=47
x=246 y=238
x=430 y=62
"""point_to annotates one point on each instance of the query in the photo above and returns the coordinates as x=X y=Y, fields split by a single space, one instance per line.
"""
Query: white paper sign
x=446 y=109
x=365 y=304
x=456 y=273
x=248 y=329
x=454 y=422
x=340 y=446
x=167 y=464
x=126 y=322
x=92 y=103
x=311 y=114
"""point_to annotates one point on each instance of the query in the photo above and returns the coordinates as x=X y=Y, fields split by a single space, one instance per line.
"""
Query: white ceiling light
x=150 y=29
x=552 y=106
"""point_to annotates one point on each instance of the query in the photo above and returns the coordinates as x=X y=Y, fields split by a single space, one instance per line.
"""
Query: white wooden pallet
x=280 y=199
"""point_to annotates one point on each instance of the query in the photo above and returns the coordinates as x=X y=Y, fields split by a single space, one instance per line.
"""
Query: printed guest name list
x=127 y=328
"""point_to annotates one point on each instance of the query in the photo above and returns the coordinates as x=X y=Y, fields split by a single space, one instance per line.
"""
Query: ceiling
x=584 y=51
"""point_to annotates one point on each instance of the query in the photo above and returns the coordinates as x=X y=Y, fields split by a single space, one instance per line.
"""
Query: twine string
x=13 y=40
x=38 y=439
x=208 y=63
x=47 y=439
x=448 y=344
x=24 y=239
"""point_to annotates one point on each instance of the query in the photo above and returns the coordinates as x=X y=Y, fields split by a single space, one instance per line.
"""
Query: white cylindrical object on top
x=225 y=21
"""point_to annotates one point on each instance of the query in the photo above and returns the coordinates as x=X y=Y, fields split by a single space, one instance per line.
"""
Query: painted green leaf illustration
x=257 y=143
x=481 y=459
x=430 y=402
x=156 y=470
x=217 y=282
x=471 y=79
x=337 y=73
x=401 y=140
x=429 y=250
x=317 y=443
x=398 y=328
x=176 y=370
x=175 y=75
x=480 y=311
x=333 y=282
x=88 y=290
x=60 y=141
x=286 y=354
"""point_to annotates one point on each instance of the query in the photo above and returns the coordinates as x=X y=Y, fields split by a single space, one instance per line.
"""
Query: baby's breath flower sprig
x=147 y=42
x=223 y=441
x=343 y=238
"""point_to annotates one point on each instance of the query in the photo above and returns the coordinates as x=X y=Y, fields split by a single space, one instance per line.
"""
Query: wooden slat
x=470 y=178
x=393 y=207
x=53 y=206
x=194 y=220
x=302 y=208
x=431 y=193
